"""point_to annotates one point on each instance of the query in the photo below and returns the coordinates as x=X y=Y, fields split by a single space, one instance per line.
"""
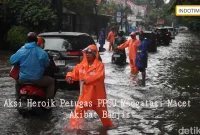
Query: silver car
x=66 y=49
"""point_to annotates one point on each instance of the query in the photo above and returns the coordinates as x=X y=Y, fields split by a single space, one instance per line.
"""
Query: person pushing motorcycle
x=132 y=45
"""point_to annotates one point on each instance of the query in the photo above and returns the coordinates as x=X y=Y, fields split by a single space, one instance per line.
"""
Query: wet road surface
x=173 y=74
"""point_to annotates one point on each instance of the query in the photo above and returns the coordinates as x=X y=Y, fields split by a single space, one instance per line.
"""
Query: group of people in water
x=33 y=61
x=91 y=73
x=137 y=50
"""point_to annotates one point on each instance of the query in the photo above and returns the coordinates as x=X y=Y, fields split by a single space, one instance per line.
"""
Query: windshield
x=69 y=43
x=162 y=31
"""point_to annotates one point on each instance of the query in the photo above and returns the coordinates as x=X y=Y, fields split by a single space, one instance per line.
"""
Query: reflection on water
x=173 y=73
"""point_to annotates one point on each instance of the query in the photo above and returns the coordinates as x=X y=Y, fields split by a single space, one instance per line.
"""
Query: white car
x=172 y=31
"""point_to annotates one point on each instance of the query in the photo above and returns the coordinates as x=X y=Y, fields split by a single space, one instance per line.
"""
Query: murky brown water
x=173 y=73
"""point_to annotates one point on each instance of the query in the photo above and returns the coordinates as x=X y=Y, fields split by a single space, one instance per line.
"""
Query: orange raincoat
x=111 y=38
x=93 y=89
x=132 y=45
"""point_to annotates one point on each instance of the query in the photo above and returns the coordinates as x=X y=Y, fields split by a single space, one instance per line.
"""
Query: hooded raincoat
x=111 y=38
x=32 y=61
x=132 y=45
x=92 y=91
x=141 y=57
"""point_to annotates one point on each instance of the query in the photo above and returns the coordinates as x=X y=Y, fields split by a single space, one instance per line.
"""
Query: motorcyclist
x=52 y=68
x=32 y=61
x=120 y=39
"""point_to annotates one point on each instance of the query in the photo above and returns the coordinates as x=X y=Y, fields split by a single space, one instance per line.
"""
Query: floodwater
x=173 y=75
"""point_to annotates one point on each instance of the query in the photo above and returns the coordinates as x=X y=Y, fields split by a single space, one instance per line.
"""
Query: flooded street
x=173 y=76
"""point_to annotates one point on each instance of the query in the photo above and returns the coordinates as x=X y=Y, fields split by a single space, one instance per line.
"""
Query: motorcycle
x=31 y=98
x=118 y=57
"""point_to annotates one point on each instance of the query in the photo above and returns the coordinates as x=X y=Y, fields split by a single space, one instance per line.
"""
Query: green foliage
x=151 y=3
x=182 y=2
x=156 y=13
x=114 y=7
x=16 y=36
x=192 y=22
x=108 y=8
x=80 y=6
x=140 y=2
x=36 y=14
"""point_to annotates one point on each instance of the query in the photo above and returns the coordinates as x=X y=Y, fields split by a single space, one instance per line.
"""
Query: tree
x=153 y=3
x=34 y=14
x=192 y=22
x=112 y=8
x=80 y=6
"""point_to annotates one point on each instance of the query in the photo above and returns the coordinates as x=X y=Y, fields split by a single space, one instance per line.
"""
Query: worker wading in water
x=91 y=72
x=132 y=45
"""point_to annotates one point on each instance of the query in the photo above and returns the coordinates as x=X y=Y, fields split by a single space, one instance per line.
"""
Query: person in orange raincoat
x=91 y=72
x=132 y=45
x=111 y=38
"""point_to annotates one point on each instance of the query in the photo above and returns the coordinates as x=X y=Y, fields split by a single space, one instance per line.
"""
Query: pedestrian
x=132 y=45
x=110 y=38
x=142 y=56
x=101 y=39
x=91 y=73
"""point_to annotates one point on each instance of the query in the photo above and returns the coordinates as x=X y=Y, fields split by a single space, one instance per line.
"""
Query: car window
x=162 y=31
x=91 y=40
x=147 y=35
x=69 y=43
x=85 y=41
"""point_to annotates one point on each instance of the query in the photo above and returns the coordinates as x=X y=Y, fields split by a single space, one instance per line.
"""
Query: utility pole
x=58 y=6
x=148 y=9
x=59 y=13
x=96 y=22
x=124 y=16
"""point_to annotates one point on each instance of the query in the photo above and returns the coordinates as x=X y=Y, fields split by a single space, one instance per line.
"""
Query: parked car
x=151 y=37
x=163 y=36
x=172 y=31
x=66 y=49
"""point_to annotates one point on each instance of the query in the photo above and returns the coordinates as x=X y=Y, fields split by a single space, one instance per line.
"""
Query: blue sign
x=124 y=26
x=119 y=14
x=132 y=28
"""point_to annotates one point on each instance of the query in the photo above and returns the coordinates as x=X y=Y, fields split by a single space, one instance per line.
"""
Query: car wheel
x=112 y=60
